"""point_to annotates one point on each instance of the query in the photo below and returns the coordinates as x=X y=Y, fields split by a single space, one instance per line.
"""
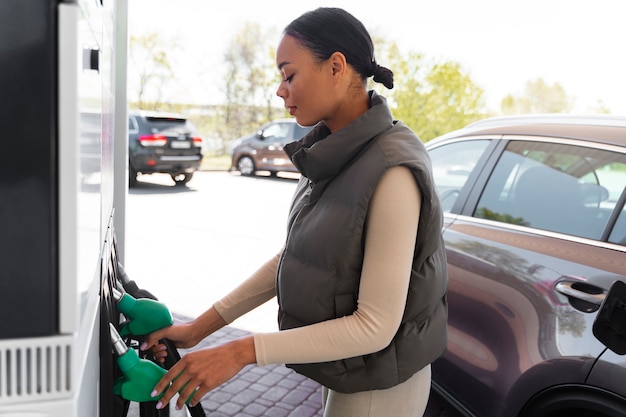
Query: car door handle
x=581 y=291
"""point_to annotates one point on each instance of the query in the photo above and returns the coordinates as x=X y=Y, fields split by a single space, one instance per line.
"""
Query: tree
x=451 y=100
x=431 y=98
x=600 y=108
x=249 y=80
x=149 y=64
x=538 y=97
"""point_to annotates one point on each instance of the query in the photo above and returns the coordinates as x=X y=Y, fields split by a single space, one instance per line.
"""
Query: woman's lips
x=292 y=109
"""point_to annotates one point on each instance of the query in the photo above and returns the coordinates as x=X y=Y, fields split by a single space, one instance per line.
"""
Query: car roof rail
x=550 y=118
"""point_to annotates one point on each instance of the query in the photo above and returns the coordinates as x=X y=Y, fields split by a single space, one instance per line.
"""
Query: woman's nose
x=280 y=91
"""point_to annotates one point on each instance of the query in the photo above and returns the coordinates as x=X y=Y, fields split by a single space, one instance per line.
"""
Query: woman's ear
x=338 y=63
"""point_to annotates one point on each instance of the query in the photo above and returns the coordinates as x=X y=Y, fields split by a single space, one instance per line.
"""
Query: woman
x=361 y=281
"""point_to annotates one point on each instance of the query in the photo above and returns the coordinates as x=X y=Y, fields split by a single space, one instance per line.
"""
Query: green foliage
x=150 y=69
x=249 y=83
x=600 y=108
x=213 y=162
x=431 y=98
x=485 y=213
x=538 y=97
x=448 y=101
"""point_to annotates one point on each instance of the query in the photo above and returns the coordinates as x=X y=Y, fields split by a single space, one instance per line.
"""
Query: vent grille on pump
x=35 y=369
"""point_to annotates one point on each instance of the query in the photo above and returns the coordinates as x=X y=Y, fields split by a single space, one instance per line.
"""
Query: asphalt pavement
x=189 y=245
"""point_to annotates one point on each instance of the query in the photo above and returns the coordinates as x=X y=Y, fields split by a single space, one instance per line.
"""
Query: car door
x=270 y=152
x=527 y=254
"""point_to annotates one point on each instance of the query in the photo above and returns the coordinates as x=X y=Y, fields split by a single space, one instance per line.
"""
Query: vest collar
x=321 y=154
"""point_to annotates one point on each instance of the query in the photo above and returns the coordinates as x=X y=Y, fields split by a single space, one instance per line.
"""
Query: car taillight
x=152 y=140
x=197 y=141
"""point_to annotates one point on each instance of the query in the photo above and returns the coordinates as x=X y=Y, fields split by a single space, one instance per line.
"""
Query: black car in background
x=162 y=143
x=263 y=150
x=535 y=234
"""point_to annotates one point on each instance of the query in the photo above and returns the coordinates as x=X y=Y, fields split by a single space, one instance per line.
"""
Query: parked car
x=162 y=143
x=263 y=151
x=535 y=234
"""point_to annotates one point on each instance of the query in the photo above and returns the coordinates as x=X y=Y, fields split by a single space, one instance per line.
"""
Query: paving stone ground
x=272 y=391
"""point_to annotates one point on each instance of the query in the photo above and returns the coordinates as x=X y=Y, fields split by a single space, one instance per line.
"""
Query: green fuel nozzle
x=139 y=375
x=144 y=315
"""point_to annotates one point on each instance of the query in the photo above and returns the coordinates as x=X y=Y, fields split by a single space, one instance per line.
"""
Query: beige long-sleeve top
x=389 y=245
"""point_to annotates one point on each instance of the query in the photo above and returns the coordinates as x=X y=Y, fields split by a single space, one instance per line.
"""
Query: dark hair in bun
x=327 y=30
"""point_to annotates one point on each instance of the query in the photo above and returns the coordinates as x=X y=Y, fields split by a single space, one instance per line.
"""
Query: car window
x=554 y=187
x=618 y=234
x=160 y=123
x=452 y=164
x=276 y=131
x=301 y=131
x=191 y=127
x=132 y=125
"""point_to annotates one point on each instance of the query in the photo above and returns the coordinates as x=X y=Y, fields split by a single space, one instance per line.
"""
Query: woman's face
x=306 y=85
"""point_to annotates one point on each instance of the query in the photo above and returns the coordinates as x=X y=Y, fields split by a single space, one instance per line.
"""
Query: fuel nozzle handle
x=139 y=375
x=144 y=315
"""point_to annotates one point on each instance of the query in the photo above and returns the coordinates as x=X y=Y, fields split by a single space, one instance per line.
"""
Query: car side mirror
x=259 y=135
x=609 y=327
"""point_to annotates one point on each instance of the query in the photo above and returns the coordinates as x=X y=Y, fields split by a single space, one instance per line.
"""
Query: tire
x=182 y=179
x=246 y=166
x=575 y=402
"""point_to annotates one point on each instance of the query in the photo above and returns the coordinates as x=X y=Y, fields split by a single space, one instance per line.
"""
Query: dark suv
x=263 y=151
x=162 y=143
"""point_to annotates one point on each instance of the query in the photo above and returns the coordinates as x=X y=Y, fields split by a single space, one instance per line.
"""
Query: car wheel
x=572 y=402
x=245 y=165
x=182 y=179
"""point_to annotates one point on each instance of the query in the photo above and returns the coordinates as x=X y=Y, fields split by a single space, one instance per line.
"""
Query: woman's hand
x=184 y=335
x=180 y=334
x=203 y=370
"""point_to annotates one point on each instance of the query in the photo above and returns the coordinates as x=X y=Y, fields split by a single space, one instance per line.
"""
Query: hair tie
x=373 y=68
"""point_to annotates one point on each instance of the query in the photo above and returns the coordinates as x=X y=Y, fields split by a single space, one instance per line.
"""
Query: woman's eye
x=288 y=79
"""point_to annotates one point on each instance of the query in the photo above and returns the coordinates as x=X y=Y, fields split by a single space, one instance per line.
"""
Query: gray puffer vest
x=319 y=272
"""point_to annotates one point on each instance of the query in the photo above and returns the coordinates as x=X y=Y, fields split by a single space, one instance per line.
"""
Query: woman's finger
x=160 y=356
x=169 y=384
x=187 y=393
x=159 y=348
x=152 y=339
x=183 y=385
x=200 y=392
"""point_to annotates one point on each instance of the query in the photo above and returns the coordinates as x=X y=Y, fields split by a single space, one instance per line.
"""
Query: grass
x=212 y=162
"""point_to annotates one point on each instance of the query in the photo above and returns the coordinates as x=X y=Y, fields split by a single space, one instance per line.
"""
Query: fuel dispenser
x=70 y=315
x=142 y=314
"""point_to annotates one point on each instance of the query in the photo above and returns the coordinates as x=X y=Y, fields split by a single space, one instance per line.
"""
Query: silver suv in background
x=162 y=143
x=263 y=151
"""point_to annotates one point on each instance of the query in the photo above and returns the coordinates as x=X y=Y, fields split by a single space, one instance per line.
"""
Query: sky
x=501 y=44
